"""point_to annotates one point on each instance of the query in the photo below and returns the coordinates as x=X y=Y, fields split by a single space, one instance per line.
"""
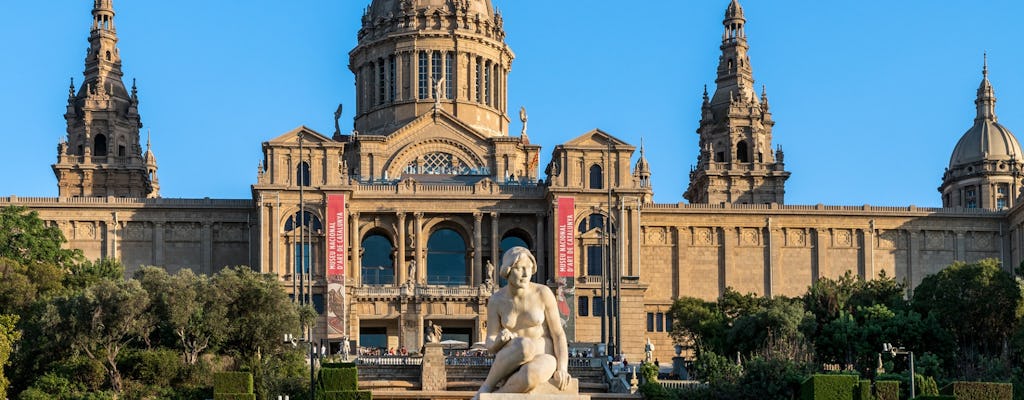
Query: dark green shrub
x=887 y=390
x=158 y=367
x=829 y=387
x=346 y=395
x=654 y=391
x=234 y=396
x=935 y=397
x=926 y=385
x=232 y=383
x=338 y=365
x=979 y=390
x=863 y=391
x=338 y=379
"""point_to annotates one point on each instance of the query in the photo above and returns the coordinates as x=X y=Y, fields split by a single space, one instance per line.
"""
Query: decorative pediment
x=292 y=137
x=424 y=141
x=596 y=139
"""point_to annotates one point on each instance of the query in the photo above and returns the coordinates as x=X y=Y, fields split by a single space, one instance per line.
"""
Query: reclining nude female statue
x=524 y=333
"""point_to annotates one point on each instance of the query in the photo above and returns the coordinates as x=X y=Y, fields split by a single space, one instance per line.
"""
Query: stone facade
x=436 y=188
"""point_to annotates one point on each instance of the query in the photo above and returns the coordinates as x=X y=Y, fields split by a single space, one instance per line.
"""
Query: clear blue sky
x=869 y=96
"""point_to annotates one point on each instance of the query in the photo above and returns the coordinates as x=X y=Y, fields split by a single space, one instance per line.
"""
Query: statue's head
x=512 y=256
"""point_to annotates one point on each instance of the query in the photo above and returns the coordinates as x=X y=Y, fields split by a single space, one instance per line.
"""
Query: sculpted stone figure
x=434 y=336
x=524 y=332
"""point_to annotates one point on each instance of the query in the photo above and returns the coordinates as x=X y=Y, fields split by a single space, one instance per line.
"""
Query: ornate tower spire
x=986 y=101
x=736 y=164
x=102 y=156
x=985 y=169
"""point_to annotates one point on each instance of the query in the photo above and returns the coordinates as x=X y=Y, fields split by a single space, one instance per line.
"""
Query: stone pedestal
x=433 y=373
x=679 y=368
x=530 y=396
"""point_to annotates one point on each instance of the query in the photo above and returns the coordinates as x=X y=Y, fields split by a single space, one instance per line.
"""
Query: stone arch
x=461 y=151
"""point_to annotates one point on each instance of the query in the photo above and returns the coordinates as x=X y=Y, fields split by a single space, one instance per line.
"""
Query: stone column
x=401 y=272
x=357 y=266
x=273 y=228
x=961 y=246
x=158 y=243
x=678 y=258
x=913 y=258
x=207 y=246
x=769 y=262
x=727 y=235
x=421 y=266
x=477 y=249
x=495 y=241
x=540 y=246
x=635 y=241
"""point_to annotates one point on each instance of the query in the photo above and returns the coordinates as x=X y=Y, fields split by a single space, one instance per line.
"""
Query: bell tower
x=101 y=155
x=736 y=162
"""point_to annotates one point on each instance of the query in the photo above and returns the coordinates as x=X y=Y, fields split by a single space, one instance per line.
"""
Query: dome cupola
x=984 y=169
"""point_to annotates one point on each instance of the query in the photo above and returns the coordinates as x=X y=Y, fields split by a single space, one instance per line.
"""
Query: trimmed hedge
x=338 y=379
x=338 y=365
x=232 y=382
x=979 y=391
x=234 y=396
x=863 y=391
x=887 y=390
x=346 y=395
x=935 y=397
x=829 y=387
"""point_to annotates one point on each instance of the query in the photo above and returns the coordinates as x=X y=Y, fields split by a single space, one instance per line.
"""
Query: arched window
x=377 y=259
x=510 y=240
x=742 y=151
x=108 y=56
x=446 y=258
x=303 y=251
x=302 y=174
x=99 y=148
x=391 y=79
x=594 y=221
x=487 y=83
x=596 y=177
x=381 y=82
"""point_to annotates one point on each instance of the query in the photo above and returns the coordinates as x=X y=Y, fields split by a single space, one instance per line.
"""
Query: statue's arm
x=554 y=322
x=493 y=341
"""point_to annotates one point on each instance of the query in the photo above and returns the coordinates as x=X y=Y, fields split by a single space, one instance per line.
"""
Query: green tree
x=103 y=319
x=88 y=273
x=698 y=322
x=27 y=239
x=978 y=303
x=188 y=308
x=261 y=313
x=8 y=338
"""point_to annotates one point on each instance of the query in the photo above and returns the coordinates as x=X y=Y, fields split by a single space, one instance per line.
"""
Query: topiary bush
x=829 y=387
x=341 y=383
x=887 y=390
x=863 y=391
x=233 y=386
x=979 y=390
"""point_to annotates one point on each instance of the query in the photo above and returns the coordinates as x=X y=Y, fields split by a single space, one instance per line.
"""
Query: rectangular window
x=598 y=307
x=318 y=303
x=1001 y=203
x=668 y=322
x=302 y=257
x=424 y=85
x=487 y=84
x=449 y=78
x=391 y=79
x=720 y=157
x=381 y=82
x=583 y=306
x=435 y=64
x=479 y=77
x=1002 y=189
x=659 y=322
x=650 y=322
x=595 y=259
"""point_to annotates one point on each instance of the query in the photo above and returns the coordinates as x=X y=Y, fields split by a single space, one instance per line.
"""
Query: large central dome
x=386 y=8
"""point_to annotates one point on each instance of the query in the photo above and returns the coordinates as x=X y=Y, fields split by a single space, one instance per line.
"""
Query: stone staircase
x=460 y=378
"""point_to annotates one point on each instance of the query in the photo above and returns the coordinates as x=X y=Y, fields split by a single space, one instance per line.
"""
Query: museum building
x=402 y=221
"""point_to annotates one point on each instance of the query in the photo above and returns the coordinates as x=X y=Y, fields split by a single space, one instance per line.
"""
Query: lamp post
x=314 y=354
x=887 y=347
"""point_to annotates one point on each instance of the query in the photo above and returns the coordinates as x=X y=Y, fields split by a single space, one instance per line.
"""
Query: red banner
x=336 y=234
x=566 y=237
